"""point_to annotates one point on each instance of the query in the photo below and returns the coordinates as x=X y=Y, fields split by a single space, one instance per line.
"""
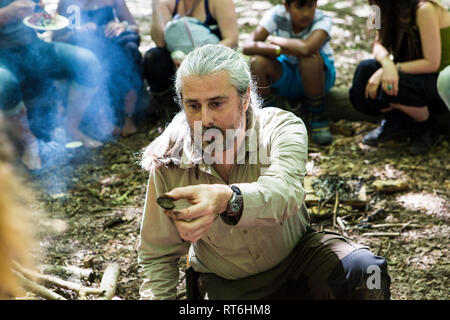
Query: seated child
x=297 y=61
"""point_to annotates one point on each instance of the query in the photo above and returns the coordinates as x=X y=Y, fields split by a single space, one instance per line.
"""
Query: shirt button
x=257 y=256
x=244 y=231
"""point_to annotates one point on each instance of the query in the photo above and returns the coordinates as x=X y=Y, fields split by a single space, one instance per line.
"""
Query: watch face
x=237 y=204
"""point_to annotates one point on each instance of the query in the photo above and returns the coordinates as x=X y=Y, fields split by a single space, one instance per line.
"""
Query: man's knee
x=361 y=275
x=10 y=94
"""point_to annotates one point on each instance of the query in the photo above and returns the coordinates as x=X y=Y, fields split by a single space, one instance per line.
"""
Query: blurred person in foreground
x=15 y=227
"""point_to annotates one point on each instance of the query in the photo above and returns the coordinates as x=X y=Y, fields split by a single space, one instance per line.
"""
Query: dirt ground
x=90 y=209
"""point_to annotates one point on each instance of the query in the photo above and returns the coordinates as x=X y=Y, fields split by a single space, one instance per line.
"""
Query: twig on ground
x=80 y=273
x=335 y=209
x=109 y=281
x=396 y=225
x=381 y=234
x=36 y=288
x=82 y=290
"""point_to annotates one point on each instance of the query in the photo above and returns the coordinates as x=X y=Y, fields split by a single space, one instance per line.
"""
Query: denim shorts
x=290 y=84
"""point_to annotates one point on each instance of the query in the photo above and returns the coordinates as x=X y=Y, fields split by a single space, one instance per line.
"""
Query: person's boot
x=391 y=128
x=318 y=121
x=425 y=138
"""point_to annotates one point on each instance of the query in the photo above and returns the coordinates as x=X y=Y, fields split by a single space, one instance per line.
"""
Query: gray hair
x=213 y=58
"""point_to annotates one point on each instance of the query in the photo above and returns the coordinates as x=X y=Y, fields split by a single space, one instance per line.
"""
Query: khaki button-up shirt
x=274 y=215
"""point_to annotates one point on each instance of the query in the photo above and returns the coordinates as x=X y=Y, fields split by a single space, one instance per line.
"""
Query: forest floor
x=93 y=217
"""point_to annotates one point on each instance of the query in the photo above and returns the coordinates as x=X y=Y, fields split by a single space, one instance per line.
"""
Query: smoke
x=119 y=61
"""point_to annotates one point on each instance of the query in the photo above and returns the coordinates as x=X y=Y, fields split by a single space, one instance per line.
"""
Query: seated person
x=28 y=67
x=158 y=67
x=298 y=61
x=109 y=30
x=238 y=170
x=404 y=90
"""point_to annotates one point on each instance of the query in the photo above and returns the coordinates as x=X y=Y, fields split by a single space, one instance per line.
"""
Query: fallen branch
x=340 y=223
x=335 y=209
x=397 y=225
x=109 y=281
x=36 y=288
x=381 y=234
x=82 y=290
x=79 y=273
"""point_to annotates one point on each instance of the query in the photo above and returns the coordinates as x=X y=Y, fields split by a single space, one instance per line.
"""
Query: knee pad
x=361 y=274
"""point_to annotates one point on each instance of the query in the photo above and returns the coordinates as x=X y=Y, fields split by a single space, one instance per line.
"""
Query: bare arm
x=161 y=15
x=301 y=48
x=227 y=19
x=428 y=23
x=256 y=45
x=124 y=14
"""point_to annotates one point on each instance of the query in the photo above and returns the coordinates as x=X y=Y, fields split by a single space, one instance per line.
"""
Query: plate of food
x=45 y=21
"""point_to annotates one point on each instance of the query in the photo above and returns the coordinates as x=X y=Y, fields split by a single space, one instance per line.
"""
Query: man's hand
x=20 y=9
x=208 y=201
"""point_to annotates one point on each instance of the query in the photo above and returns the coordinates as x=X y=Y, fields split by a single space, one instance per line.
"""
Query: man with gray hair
x=227 y=176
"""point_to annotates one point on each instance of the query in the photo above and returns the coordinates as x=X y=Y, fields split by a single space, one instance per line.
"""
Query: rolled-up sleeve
x=160 y=246
x=278 y=192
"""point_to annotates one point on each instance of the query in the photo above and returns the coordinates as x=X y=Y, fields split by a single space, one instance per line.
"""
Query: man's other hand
x=208 y=201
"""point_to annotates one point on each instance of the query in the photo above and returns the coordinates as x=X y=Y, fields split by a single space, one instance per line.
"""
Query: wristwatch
x=235 y=203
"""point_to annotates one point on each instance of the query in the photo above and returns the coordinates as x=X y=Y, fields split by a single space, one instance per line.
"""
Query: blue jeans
x=27 y=73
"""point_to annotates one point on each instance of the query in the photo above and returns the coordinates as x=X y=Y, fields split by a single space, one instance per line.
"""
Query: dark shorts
x=322 y=266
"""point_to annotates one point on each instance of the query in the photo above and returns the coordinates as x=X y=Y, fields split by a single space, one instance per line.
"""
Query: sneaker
x=388 y=130
x=320 y=129
x=424 y=142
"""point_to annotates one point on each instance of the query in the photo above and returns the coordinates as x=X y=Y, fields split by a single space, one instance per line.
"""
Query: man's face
x=213 y=105
x=301 y=16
